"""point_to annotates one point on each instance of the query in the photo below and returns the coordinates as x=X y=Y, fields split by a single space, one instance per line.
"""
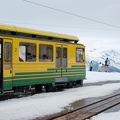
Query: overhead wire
x=60 y=26
x=57 y=25
x=71 y=14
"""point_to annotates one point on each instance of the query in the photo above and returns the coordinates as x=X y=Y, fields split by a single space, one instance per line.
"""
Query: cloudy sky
x=94 y=22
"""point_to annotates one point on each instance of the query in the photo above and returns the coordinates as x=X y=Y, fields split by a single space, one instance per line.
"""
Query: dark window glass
x=8 y=52
x=64 y=62
x=27 y=52
x=58 y=57
x=45 y=53
x=79 y=55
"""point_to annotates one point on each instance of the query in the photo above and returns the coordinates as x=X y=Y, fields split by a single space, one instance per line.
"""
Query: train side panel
x=19 y=73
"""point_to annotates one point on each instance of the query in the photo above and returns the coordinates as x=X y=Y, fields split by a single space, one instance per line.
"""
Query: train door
x=1 y=64
x=61 y=61
x=7 y=64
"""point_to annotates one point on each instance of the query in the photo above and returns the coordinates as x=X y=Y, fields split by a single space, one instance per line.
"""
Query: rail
x=87 y=111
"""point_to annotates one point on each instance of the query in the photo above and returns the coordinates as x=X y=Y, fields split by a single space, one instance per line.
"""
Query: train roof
x=13 y=30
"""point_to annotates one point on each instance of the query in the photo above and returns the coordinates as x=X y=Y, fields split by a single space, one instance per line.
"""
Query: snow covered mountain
x=99 y=55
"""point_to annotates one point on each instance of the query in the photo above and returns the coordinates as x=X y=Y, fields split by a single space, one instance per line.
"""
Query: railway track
x=87 y=111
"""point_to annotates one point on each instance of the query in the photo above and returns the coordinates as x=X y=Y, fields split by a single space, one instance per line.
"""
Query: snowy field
x=47 y=103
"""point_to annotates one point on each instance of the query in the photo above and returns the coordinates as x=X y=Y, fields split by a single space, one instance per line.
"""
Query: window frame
x=49 y=56
x=82 y=55
x=26 y=51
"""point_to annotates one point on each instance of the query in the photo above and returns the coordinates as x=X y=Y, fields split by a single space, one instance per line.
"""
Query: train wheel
x=70 y=84
x=18 y=89
x=50 y=88
x=74 y=83
x=81 y=83
x=38 y=88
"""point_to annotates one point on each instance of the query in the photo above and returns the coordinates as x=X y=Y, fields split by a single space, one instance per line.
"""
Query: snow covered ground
x=47 y=103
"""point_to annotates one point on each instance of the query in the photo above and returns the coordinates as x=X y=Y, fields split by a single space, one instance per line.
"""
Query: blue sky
x=82 y=23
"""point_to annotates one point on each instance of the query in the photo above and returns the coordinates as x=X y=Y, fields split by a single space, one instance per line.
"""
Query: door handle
x=10 y=71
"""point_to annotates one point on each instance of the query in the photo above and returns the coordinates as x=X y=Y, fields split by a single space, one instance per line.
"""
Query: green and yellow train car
x=37 y=58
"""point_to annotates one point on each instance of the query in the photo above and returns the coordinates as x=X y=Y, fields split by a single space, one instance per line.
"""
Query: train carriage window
x=58 y=57
x=8 y=52
x=7 y=55
x=79 y=55
x=27 y=52
x=45 y=53
x=64 y=59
